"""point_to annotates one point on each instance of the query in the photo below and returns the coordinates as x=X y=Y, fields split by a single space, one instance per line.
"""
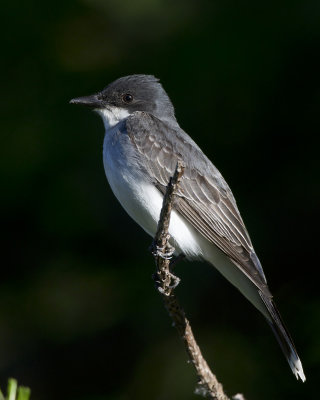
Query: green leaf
x=23 y=393
x=12 y=389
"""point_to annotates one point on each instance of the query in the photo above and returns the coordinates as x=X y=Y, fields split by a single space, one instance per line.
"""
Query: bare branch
x=208 y=385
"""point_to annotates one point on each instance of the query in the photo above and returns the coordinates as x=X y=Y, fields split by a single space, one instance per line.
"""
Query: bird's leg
x=165 y=280
x=165 y=252
x=174 y=278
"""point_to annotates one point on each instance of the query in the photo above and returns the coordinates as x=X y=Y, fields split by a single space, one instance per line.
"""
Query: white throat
x=112 y=116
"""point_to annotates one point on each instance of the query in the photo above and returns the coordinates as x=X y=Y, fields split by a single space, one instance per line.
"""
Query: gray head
x=127 y=95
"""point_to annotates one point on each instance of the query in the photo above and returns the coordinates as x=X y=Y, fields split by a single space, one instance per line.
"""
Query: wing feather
x=203 y=197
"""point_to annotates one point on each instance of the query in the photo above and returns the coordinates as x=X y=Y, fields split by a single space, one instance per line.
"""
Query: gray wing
x=204 y=198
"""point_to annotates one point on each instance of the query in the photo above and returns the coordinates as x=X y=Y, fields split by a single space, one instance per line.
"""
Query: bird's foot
x=165 y=281
x=165 y=252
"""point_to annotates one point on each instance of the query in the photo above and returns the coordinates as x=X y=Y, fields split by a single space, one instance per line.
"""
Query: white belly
x=143 y=201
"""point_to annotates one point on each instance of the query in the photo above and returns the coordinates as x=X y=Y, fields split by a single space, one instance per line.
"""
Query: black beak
x=92 y=101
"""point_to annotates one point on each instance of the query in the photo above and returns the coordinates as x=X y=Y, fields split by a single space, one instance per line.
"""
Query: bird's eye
x=127 y=98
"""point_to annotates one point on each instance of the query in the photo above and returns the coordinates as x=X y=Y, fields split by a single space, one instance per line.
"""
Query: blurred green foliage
x=79 y=316
x=15 y=392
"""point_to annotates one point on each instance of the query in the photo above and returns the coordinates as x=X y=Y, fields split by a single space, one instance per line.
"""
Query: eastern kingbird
x=143 y=142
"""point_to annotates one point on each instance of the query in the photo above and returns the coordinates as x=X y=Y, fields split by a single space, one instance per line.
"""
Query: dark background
x=79 y=315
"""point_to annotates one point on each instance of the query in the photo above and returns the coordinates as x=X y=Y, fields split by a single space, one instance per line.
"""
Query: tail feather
x=283 y=337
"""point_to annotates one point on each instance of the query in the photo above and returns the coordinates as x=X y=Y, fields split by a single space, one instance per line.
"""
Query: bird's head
x=129 y=94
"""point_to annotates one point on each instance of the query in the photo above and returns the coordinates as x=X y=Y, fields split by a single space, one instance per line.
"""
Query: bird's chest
x=126 y=177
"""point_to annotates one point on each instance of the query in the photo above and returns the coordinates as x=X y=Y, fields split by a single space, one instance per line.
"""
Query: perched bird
x=143 y=142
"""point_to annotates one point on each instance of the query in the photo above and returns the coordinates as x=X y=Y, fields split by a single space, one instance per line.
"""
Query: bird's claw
x=165 y=252
x=167 y=284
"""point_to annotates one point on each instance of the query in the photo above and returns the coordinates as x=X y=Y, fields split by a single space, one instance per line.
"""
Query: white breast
x=142 y=200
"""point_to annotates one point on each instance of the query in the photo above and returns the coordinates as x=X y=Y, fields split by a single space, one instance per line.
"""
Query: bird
x=142 y=144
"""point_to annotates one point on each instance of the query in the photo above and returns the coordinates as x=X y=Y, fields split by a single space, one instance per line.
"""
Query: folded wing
x=203 y=198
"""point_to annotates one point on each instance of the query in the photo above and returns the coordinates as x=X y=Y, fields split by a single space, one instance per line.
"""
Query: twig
x=208 y=385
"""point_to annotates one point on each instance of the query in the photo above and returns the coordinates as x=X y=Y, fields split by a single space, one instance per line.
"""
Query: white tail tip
x=297 y=369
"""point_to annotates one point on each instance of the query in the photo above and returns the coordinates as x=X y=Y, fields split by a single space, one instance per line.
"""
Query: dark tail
x=283 y=337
